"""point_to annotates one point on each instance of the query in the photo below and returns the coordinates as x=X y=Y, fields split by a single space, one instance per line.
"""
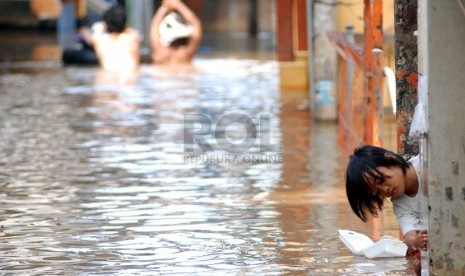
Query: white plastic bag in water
x=419 y=125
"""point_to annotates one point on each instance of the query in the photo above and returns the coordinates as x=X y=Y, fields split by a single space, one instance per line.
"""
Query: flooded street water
x=95 y=178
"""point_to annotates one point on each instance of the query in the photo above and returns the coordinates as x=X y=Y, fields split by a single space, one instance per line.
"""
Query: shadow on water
x=95 y=178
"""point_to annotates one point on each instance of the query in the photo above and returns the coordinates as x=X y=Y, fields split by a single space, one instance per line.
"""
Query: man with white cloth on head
x=175 y=33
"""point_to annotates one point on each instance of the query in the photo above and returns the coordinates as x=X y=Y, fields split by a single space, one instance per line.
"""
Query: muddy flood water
x=96 y=176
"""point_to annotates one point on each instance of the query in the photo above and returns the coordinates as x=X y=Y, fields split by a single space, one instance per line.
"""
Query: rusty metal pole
x=405 y=15
x=373 y=71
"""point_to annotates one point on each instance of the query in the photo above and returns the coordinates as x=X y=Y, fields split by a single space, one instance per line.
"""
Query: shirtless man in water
x=117 y=46
x=174 y=37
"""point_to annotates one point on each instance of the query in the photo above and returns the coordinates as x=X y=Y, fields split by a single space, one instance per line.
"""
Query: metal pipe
x=423 y=140
x=311 y=69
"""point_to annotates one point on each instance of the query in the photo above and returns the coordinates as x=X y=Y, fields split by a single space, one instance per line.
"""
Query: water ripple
x=95 y=178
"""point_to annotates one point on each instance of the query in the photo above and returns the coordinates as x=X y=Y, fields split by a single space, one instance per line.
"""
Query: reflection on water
x=94 y=178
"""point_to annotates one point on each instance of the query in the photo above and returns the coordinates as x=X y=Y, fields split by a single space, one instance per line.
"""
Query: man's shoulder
x=131 y=31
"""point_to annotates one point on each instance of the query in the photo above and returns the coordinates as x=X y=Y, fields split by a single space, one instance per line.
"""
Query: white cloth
x=407 y=209
x=172 y=28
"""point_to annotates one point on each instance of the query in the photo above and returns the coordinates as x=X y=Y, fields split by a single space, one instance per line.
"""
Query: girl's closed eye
x=375 y=188
x=380 y=181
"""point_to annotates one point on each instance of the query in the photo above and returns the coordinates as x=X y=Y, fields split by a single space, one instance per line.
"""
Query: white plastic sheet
x=419 y=125
x=360 y=244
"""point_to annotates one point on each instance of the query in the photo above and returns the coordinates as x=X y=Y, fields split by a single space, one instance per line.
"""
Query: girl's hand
x=422 y=239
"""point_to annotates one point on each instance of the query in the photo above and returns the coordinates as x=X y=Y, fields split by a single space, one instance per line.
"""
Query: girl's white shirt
x=407 y=209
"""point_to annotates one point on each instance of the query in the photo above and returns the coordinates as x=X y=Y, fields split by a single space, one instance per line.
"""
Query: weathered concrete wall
x=446 y=85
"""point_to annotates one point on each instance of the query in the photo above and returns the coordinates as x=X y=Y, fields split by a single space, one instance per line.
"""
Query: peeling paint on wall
x=405 y=13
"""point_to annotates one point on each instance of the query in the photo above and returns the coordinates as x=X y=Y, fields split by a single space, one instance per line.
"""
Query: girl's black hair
x=115 y=19
x=364 y=163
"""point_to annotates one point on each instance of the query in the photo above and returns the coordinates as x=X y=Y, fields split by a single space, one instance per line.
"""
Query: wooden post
x=301 y=24
x=373 y=71
x=253 y=18
x=284 y=47
x=196 y=6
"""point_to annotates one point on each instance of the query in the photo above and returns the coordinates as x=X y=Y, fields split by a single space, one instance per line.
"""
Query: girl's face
x=392 y=184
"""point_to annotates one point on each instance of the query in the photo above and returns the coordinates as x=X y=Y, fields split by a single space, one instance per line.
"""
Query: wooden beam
x=301 y=24
x=284 y=46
